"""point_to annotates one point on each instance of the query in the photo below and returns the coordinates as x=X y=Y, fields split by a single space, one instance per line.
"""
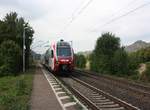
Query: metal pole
x=24 y=50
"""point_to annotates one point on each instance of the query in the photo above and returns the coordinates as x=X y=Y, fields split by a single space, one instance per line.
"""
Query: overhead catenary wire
x=39 y=45
x=125 y=14
x=123 y=8
x=74 y=17
x=119 y=10
x=77 y=9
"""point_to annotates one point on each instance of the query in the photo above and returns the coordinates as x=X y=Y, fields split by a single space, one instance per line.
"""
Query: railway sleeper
x=101 y=101
x=54 y=83
x=119 y=108
x=108 y=106
x=58 y=89
x=98 y=98
x=106 y=103
x=95 y=96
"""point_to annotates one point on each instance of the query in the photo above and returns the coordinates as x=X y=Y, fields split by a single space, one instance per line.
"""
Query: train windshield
x=63 y=51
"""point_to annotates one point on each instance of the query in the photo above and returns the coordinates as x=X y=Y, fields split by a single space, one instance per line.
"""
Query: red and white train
x=59 y=57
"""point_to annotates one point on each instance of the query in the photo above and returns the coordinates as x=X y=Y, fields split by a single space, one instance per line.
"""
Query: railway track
x=65 y=98
x=95 y=98
x=92 y=97
x=134 y=93
x=128 y=85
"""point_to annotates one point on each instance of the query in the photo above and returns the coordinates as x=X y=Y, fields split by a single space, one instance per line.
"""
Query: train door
x=51 y=59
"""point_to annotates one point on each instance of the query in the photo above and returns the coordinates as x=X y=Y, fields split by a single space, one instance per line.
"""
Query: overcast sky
x=89 y=18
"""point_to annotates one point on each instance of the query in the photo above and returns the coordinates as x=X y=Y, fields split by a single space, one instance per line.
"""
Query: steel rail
x=120 y=102
x=135 y=85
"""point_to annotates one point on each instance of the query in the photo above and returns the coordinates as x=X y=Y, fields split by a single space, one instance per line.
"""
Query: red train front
x=60 y=57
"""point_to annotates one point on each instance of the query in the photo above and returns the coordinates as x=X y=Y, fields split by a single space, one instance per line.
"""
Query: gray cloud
x=31 y=9
x=49 y=17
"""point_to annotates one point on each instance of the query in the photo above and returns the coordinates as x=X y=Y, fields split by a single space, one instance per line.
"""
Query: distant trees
x=108 y=56
x=11 y=34
x=80 y=61
x=140 y=56
x=143 y=55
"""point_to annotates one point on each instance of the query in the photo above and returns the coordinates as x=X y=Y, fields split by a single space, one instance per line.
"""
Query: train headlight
x=64 y=60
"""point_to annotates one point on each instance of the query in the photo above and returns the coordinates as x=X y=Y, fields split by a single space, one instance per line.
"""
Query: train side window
x=52 y=54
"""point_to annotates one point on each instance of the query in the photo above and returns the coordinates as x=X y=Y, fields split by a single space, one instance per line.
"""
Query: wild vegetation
x=11 y=43
x=80 y=61
x=15 y=91
x=141 y=56
x=146 y=75
x=15 y=87
x=109 y=57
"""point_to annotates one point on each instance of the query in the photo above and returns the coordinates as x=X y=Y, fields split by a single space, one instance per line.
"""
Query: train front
x=65 y=57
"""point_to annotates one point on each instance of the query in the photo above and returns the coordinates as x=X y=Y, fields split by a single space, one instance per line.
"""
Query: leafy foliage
x=108 y=56
x=143 y=55
x=80 y=61
x=120 y=62
x=134 y=61
x=10 y=56
x=101 y=58
x=107 y=44
x=11 y=29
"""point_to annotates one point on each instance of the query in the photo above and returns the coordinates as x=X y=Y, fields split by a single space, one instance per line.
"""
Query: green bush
x=142 y=55
x=80 y=61
x=11 y=102
x=4 y=70
x=10 y=56
x=93 y=65
x=120 y=62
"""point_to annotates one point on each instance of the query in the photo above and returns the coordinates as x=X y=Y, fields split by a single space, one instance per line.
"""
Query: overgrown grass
x=15 y=91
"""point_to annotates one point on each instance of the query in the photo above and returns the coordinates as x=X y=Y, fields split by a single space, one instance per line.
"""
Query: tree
x=10 y=57
x=120 y=62
x=142 y=55
x=133 y=60
x=80 y=61
x=12 y=27
x=106 y=45
x=93 y=64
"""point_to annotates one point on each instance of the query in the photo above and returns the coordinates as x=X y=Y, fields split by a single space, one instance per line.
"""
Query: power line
x=127 y=5
x=39 y=45
x=129 y=12
x=123 y=7
x=76 y=10
x=73 y=18
x=82 y=9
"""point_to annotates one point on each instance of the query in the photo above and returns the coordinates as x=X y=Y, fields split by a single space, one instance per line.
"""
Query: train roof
x=63 y=43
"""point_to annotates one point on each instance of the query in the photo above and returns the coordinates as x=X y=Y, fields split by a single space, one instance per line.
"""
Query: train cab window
x=63 y=51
